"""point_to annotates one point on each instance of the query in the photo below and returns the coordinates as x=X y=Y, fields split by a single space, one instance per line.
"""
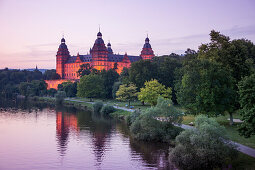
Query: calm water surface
x=49 y=138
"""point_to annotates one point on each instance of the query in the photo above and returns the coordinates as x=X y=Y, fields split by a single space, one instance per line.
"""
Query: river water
x=43 y=137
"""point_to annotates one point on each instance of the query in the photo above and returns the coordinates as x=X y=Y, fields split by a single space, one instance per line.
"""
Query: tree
x=124 y=76
x=109 y=77
x=52 y=92
x=205 y=87
x=85 y=69
x=90 y=86
x=51 y=75
x=148 y=127
x=127 y=92
x=204 y=147
x=60 y=96
x=70 y=88
x=115 y=88
x=152 y=90
x=142 y=71
x=247 y=101
x=237 y=56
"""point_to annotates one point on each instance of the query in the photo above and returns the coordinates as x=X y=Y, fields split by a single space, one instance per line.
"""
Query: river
x=44 y=137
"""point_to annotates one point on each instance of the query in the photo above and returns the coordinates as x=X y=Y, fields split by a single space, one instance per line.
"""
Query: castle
x=100 y=57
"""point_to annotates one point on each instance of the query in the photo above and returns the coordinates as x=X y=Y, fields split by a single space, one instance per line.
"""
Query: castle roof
x=111 y=58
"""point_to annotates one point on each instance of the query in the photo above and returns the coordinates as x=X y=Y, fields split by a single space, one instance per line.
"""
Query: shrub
x=148 y=127
x=60 y=96
x=132 y=117
x=97 y=107
x=204 y=147
x=106 y=110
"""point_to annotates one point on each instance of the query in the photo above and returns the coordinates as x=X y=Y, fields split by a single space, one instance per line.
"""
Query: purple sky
x=30 y=30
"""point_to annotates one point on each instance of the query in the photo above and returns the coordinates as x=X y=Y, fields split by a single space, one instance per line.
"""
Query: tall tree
x=90 y=86
x=206 y=88
x=142 y=71
x=152 y=90
x=247 y=101
x=127 y=92
x=85 y=69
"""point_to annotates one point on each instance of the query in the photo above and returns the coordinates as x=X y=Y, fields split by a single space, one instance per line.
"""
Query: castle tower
x=147 y=52
x=109 y=48
x=61 y=58
x=99 y=53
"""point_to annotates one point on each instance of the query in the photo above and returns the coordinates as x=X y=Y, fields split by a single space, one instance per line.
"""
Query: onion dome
x=147 y=43
x=99 y=35
x=109 y=48
x=63 y=45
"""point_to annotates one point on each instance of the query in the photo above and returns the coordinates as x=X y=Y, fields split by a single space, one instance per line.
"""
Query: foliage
x=204 y=147
x=51 y=75
x=142 y=71
x=126 y=92
x=70 y=88
x=34 y=88
x=51 y=92
x=247 y=101
x=124 y=76
x=237 y=56
x=152 y=90
x=97 y=107
x=132 y=117
x=109 y=77
x=148 y=127
x=205 y=87
x=10 y=80
x=106 y=110
x=85 y=69
x=60 y=96
x=90 y=86
x=115 y=88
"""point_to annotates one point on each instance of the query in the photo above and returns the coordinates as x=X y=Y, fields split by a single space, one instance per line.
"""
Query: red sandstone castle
x=100 y=57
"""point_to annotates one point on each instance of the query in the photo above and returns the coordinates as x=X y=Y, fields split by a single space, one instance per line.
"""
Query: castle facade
x=100 y=57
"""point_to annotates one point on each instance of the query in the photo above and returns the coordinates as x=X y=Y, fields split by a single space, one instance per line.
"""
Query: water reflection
x=80 y=140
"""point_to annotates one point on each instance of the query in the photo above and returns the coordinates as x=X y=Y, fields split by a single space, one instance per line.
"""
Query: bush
x=60 y=96
x=97 y=107
x=132 y=117
x=204 y=147
x=106 y=110
x=148 y=127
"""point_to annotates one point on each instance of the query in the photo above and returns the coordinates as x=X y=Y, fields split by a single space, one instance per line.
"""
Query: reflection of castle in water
x=64 y=123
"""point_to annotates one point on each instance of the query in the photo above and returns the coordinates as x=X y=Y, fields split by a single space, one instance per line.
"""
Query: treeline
x=27 y=83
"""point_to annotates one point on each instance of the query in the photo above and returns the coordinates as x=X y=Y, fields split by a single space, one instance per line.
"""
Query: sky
x=31 y=30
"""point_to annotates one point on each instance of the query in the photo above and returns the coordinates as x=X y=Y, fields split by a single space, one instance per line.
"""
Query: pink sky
x=30 y=30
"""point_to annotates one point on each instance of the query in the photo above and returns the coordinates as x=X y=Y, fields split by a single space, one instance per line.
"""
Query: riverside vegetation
x=215 y=81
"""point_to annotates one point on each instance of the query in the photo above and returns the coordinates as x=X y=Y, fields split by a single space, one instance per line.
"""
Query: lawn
x=231 y=130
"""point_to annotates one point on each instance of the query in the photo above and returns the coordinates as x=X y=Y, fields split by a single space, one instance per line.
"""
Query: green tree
x=115 y=88
x=51 y=92
x=156 y=123
x=90 y=86
x=60 y=96
x=247 y=101
x=204 y=147
x=109 y=77
x=50 y=75
x=127 y=92
x=142 y=71
x=70 y=88
x=124 y=76
x=205 y=87
x=237 y=56
x=152 y=90
x=85 y=69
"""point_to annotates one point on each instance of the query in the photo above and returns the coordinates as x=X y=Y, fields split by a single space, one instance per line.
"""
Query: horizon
x=31 y=30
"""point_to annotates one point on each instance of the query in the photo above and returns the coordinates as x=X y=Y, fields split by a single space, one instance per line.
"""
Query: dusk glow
x=31 y=31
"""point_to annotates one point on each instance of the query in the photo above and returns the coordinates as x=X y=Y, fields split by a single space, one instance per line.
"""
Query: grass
x=243 y=161
x=231 y=130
